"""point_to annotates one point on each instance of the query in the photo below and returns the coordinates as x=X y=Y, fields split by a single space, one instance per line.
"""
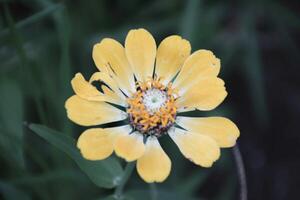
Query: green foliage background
x=43 y=43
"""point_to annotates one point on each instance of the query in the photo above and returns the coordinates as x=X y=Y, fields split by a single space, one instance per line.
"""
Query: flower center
x=152 y=109
x=154 y=99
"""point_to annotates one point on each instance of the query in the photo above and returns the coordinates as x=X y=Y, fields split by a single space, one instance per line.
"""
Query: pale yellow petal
x=171 y=54
x=95 y=144
x=185 y=109
x=119 y=130
x=201 y=64
x=221 y=129
x=87 y=91
x=109 y=56
x=129 y=146
x=114 y=98
x=88 y=113
x=154 y=165
x=140 y=50
x=200 y=149
x=206 y=94
x=117 y=95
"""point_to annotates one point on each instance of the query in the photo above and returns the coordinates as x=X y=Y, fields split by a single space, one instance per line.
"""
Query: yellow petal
x=129 y=146
x=171 y=54
x=154 y=165
x=109 y=56
x=140 y=48
x=206 y=94
x=95 y=144
x=117 y=96
x=201 y=64
x=200 y=149
x=88 y=113
x=114 y=98
x=87 y=91
x=185 y=109
x=221 y=129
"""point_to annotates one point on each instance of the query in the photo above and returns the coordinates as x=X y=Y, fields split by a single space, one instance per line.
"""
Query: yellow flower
x=153 y=86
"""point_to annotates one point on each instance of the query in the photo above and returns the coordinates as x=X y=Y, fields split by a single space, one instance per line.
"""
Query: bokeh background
x=43 y=43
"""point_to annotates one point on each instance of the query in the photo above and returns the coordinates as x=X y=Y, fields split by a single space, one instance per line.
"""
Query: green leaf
x=161 y=195
x=105 y=173
x=111 y=197
x=33 y=18
x=190 y=13
x=228 y=190
x=10 y=192
x=146 y=195
x=11 y=116
x=253 y=70
x=193 y=182
x=114 y=197
x=69 y=174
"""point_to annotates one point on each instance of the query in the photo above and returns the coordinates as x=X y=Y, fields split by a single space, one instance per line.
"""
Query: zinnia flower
x=147 y=88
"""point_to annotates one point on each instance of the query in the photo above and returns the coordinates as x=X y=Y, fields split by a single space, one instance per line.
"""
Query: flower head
x=148 y=88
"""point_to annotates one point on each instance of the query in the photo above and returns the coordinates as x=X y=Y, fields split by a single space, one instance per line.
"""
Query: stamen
x=152 y=108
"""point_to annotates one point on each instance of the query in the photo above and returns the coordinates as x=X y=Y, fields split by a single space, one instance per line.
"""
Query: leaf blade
x=11 y=123
x=105 y=173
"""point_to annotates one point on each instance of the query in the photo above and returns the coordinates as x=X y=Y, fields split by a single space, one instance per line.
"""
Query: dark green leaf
x=193 y=182
x=11 y=115
x=10 y=192
x=106 y=173
x=68 y=174
x=191 y=12
x=113 y=197
x=253 y=70
x=110 y=197
x=33 y=18
x=161 y=195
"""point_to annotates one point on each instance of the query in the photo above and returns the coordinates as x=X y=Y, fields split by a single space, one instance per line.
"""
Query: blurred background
x=43 y=43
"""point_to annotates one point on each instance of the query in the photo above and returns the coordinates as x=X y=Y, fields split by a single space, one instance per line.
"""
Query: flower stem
x=153 y=191
x=241 y=172
x=127 y=173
